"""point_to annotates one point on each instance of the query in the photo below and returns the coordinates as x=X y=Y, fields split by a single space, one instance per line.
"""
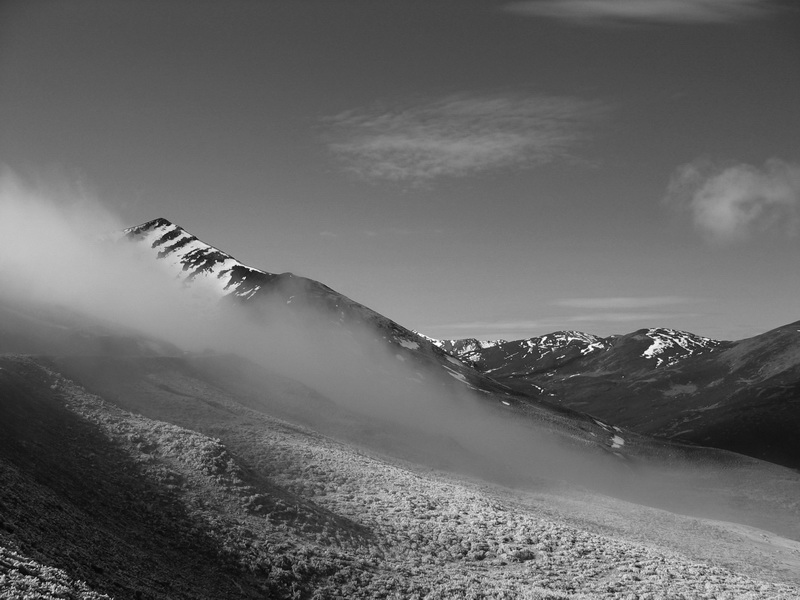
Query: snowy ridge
x=464 y=346
x=213 y=275
x=560 y=339
x=474 y=351
x=193 y=261
x=217 y=275
x=670 y=346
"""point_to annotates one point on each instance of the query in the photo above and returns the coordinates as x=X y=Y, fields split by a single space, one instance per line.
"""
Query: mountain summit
x=199 y=265
x=195 y=261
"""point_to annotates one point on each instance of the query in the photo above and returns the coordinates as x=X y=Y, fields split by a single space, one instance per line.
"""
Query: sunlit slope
x=100 y=506
x=219 y=499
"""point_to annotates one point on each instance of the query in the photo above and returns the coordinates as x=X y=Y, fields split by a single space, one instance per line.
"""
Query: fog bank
x=65 y=249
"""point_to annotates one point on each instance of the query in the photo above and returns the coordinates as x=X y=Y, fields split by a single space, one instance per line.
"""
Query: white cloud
x=623 y=302
x=733 y=203
x=665 y=11
x=458 y=135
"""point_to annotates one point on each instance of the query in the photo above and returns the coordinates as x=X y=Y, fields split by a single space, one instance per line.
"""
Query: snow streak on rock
x=560 y=339
x=195 y=262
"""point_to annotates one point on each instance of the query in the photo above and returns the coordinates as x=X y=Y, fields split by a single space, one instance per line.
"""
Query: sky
x=468 y=168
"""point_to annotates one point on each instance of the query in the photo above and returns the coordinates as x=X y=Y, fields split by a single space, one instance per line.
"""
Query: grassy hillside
x=216 y=499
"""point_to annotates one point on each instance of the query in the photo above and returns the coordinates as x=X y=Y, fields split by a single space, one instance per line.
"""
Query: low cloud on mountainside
x=57 y=248
x=50 y=252
x=55 y=251
x=733 y=203
x=458 y=135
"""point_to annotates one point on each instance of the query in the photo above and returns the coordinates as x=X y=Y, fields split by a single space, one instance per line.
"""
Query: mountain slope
x=202 y=267
x=502 y=358
x=216 y=500
x=742 y=396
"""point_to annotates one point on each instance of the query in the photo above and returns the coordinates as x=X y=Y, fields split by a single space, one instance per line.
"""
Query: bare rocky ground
x=264 y=508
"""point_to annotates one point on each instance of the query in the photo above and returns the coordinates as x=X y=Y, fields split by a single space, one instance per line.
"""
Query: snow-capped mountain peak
x=560 y=339
x=466 y=344
x=195 y=262
x=669 y=346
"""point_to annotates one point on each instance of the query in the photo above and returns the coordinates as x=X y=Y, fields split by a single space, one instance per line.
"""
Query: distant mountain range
x=742 y=396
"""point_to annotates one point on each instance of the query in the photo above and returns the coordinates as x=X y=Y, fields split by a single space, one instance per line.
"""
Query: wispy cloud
x=404 y=232
x=592 y=322
x=624 y=317
x=631 y=11
x=619 y=303
x=732 y=203
x=458 y=135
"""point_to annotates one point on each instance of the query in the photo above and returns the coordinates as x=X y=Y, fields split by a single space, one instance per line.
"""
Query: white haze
x=55 y=250
x=57 y=247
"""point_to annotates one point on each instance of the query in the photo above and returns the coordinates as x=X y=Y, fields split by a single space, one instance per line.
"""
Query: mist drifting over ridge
x=60 y=251
x=60 y=248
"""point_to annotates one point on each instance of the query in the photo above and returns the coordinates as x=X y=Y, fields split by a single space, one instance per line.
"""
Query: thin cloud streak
x=514 y=329
x=659 y=11
x=459 y=136
x=623 y=302
x=734 y=203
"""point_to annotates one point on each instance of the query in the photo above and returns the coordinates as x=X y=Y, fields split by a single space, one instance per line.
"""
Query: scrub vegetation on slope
x=256 y=505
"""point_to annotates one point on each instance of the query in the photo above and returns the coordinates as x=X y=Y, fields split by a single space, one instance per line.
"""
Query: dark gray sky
x=468 y=168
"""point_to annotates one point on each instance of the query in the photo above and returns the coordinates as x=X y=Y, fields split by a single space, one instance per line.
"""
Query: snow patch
x=408 y=344
x=679 y=344
x=458 y=376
